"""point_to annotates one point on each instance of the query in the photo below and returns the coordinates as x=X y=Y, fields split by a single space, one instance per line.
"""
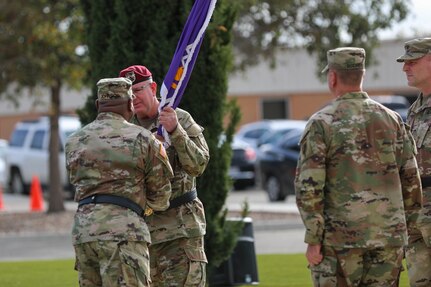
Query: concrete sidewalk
x=256 y=199
x=58 y=246
x=282 y=234
x=21 y=203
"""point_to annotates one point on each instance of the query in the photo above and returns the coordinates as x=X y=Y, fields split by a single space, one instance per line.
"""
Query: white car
x=28 y=152
x=3 y=146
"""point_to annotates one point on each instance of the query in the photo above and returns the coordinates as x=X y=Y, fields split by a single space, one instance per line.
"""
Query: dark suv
x=242 y=167
x=278 y=165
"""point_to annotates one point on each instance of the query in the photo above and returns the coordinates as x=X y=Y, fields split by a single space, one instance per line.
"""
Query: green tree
x=123 y=34
x=267 y=25
x=39 y=41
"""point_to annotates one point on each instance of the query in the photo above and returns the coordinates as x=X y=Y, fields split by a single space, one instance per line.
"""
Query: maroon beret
x=136 y=74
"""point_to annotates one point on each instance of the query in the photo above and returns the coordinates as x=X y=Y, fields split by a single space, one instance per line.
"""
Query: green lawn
x=290 y=270
x=287 y=270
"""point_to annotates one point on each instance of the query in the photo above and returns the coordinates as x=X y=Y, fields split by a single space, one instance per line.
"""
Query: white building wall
x=295 y=72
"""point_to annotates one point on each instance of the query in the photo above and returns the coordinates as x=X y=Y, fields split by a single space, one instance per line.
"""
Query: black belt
x=182 y=199
x=426 y=181
x=113 y=199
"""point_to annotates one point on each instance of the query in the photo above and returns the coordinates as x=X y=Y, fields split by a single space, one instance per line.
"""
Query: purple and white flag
x=184 y=59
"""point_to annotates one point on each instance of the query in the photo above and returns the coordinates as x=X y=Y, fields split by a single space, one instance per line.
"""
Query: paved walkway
x=281 y=235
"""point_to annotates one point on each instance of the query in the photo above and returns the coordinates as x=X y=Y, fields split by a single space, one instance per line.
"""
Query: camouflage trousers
x=180 y=262
x=342 y=267
x=418 y=257
x=112 y=264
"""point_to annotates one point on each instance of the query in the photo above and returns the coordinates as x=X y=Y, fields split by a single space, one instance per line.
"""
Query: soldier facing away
x=357 y=184
x=417 y=66
x=177 y=251
x=118 y=169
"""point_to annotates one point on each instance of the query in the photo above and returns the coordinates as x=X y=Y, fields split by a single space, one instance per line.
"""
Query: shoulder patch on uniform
x=162 y=151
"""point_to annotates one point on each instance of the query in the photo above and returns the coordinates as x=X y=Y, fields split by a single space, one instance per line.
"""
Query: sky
x=417 y=23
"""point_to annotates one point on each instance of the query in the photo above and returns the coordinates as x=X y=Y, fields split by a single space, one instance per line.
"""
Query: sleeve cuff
x=179 y=132
x=312 y=238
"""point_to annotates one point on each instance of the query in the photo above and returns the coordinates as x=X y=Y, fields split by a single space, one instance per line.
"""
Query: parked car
x=273 y=136
x=266 y=132
x=3 y=146
x=28 y=152
x=277 y=163
x=242 y=168
x=255 y=131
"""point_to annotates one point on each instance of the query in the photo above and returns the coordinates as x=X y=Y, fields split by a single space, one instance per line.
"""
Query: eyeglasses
x=137 y=90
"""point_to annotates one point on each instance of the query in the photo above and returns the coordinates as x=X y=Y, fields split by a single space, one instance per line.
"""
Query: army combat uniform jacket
x=419 y=118
x=112 y=156
x=188 y=155
x=357 y=182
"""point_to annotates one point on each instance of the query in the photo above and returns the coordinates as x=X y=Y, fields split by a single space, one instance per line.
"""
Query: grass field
x=287 y=270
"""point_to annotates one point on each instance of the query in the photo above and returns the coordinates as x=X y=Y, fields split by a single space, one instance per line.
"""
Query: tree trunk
x=56 y=203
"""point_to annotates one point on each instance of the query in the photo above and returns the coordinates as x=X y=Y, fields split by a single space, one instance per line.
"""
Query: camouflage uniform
x=358 y=188
x=418 y=253
x=177 y=251
x=111 y=156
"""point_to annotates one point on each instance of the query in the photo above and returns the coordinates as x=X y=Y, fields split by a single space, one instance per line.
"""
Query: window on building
x=275 y=109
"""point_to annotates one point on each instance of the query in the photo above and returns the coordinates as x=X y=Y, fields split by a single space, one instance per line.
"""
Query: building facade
x=291 y=90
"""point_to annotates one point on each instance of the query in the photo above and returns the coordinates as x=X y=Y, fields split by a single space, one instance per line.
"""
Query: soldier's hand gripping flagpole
x=187 y=50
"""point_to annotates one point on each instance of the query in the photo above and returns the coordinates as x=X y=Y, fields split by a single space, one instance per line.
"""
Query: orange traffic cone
x=36 y=198
x=1 y=198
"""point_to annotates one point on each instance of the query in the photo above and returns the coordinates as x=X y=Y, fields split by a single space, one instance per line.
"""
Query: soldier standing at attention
x=118 y=169
x=357 y=185
x=177 y=251
x=417 y=66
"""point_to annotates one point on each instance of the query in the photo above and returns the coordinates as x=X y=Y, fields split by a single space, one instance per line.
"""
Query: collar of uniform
x=109 y=115
x=149 y=124
x=354 y=95
x=420 y=104
x=427 y=100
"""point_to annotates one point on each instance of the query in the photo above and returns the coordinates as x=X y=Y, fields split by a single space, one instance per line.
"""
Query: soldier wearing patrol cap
x=357 y=184
x=177 y=251
x=417 y=66
x=118 y=170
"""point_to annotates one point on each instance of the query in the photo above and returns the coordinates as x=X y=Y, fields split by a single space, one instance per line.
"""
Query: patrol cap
x=114 y=88
x=415 y=49
x=136 y=74
x=345 y=58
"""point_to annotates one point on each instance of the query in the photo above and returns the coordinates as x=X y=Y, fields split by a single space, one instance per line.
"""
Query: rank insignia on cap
x=131 y=76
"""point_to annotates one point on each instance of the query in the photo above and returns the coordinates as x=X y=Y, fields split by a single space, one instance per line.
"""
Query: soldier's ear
x=332 y=78
x=154 y=88
x=96 y=102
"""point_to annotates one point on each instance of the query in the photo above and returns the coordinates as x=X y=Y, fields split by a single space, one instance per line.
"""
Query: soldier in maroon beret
x=177 y=252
